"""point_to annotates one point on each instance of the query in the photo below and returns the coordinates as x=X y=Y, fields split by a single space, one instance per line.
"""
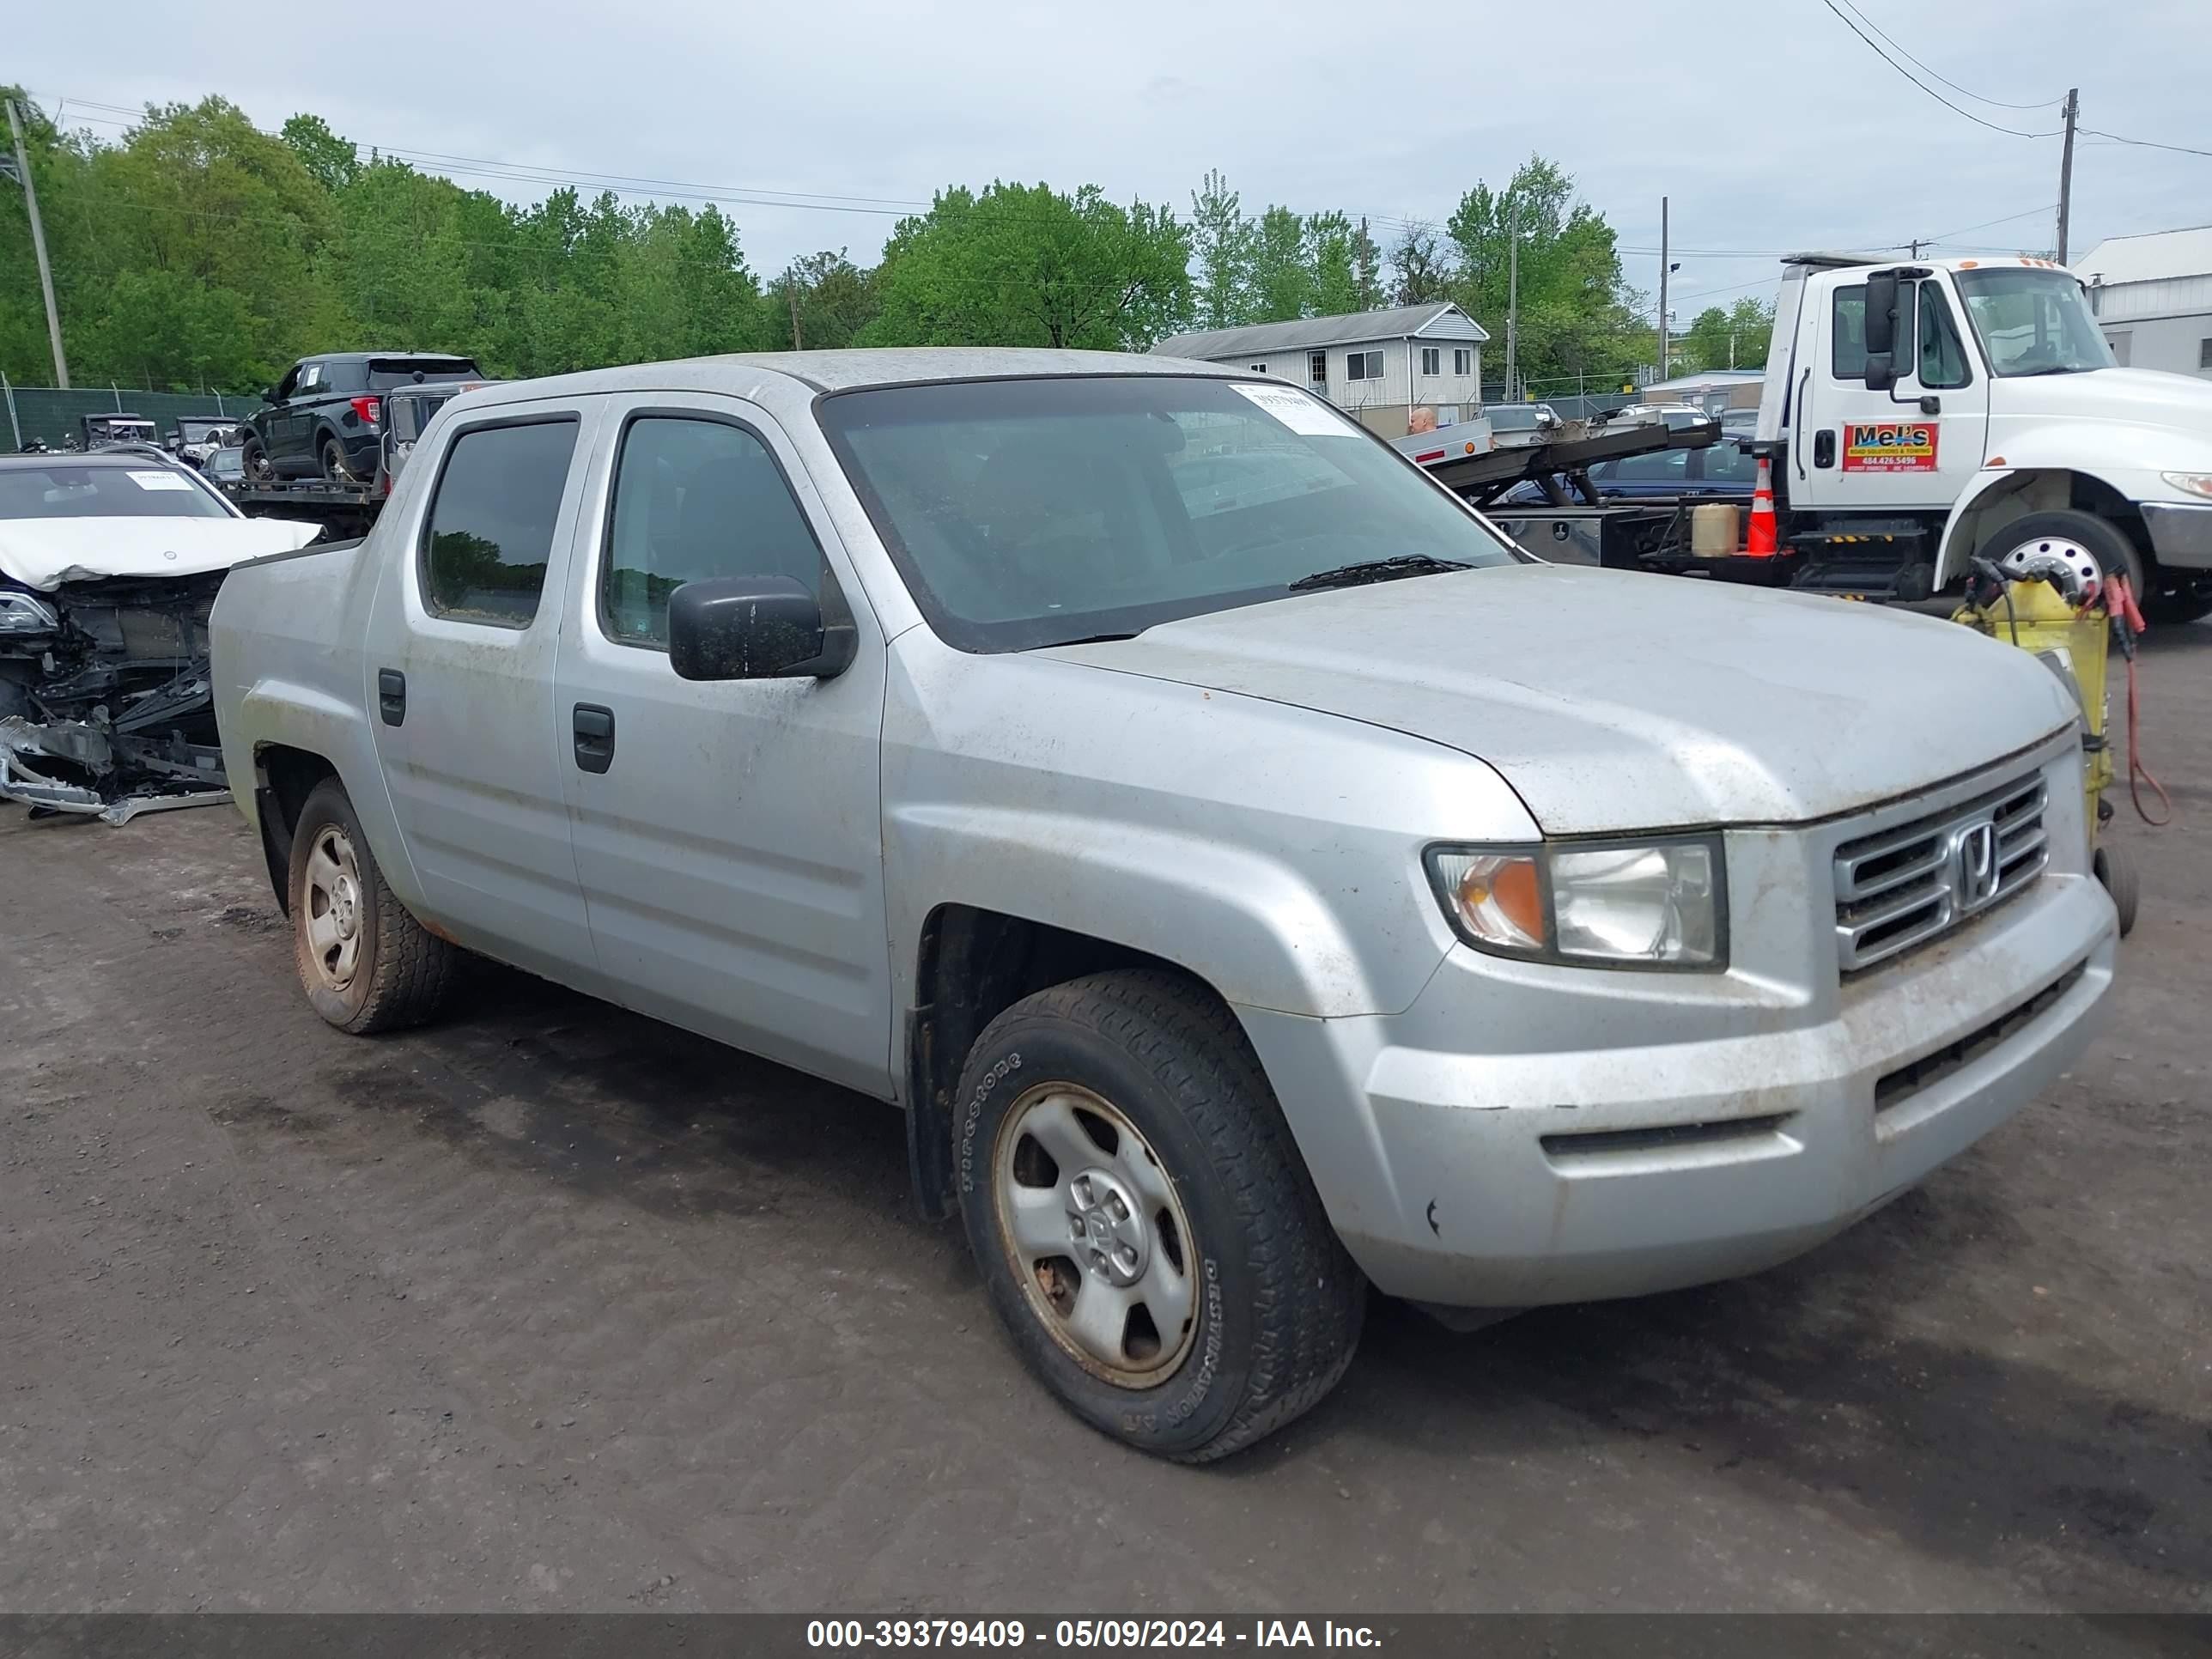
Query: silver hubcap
x=332 y=912
x=1097 y=1234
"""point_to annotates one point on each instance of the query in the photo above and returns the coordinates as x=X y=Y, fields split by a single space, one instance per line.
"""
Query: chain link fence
x=53 y=416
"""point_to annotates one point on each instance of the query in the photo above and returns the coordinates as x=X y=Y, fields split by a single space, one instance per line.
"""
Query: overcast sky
x=1769 y=126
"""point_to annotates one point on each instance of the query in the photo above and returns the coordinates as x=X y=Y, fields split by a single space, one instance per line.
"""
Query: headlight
x=2196 y=484
x=22 y=614
x=1643 y=905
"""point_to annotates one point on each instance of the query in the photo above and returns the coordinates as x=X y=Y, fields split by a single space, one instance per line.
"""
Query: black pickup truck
x=325 y=418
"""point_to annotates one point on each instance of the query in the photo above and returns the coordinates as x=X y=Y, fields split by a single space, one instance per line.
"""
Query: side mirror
x=268 y=394
x=1881 y=291
x=754 y=628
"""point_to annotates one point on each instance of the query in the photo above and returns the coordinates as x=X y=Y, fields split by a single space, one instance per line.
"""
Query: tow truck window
x=1848 y=354
x=695 y=499
x=1942 y=354
x=2034 y=321
x=491 y=532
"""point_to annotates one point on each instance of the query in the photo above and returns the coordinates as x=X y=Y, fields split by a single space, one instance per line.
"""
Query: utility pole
x=39 y=245
x=1663 y=288
x=791 y=293
x=1512 y=298
x=2066 y=168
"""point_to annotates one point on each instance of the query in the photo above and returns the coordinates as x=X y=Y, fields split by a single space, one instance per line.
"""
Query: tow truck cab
x=1920 y=414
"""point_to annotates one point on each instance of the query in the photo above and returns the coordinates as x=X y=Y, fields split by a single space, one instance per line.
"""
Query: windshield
x=103 y=492
x=2032 y=322
x=1024 y=513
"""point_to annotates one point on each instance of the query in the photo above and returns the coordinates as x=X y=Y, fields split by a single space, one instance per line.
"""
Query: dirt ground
x=554 y=1308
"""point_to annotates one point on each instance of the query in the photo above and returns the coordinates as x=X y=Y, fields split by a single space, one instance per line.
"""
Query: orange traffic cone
x=1760 y=542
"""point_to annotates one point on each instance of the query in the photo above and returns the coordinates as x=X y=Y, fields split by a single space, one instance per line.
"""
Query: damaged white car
x=109 y=564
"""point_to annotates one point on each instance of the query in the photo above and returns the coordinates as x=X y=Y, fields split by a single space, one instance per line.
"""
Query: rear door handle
x=594 y=726
x=390 y=695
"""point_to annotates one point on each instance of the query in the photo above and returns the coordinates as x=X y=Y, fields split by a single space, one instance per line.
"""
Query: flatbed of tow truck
x=343 y=509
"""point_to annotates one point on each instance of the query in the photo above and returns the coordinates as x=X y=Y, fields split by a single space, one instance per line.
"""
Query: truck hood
x=1614 y=701
x=2143 y=396
x=44 y=553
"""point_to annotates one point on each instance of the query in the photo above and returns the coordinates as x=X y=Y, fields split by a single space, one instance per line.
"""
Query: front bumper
x=2181 y=535
x=1626 y=1133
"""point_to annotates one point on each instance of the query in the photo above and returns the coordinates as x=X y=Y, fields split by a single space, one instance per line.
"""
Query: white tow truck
x=1920 y=415
x=1917 y=416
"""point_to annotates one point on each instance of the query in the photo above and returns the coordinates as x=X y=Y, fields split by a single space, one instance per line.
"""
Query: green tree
x=833 y=298
x=1282 y=280
x=1332 y=253
x=1222 y=241
x=1418 y=272
x=333 y=162
x=1026 y=265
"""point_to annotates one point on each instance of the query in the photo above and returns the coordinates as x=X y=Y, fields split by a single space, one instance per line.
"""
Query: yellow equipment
x=2035 y=616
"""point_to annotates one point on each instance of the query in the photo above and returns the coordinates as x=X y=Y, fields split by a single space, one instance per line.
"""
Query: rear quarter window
x=490 y=535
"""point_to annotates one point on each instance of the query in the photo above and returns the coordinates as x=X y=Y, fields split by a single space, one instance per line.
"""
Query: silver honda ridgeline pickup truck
x=1252 y=876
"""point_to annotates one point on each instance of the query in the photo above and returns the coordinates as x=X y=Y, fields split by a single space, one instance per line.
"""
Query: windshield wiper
x=1377 y=570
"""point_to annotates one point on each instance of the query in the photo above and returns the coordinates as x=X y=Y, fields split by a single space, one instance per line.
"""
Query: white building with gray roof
x=1378 y=365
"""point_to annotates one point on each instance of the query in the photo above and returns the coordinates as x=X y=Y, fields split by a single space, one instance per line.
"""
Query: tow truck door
x=1854 y=450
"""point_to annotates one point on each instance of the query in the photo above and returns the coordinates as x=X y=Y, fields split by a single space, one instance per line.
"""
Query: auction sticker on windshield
x=1889 y=447
x=1299 y=412
x=158 y=481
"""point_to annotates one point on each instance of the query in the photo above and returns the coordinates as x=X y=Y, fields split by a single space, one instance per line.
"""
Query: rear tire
x=1118 y=1141
x=2114 y=867
x=332 y=464
x=366 y=964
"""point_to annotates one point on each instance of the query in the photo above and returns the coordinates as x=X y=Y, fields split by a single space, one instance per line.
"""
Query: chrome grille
x=1903 y=885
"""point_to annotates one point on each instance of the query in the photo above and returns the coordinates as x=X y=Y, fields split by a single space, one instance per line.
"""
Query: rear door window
x=490 y=536
x=695 y=498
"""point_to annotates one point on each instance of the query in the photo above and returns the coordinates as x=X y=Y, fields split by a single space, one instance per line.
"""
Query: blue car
x=1720 y=469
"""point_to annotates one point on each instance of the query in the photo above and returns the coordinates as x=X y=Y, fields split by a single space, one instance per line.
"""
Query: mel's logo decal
x=1889 y=447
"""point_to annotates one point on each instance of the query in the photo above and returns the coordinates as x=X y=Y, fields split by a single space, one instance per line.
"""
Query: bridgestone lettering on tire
x=366 y=964
x=1127 y=1110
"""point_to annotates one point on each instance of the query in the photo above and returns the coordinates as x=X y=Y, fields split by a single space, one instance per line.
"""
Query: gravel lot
x=554 y=1308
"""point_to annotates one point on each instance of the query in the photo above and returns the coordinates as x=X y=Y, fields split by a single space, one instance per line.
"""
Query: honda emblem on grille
x=1974 y=870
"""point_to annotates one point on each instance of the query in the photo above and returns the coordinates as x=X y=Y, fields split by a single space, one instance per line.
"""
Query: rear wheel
x=366 y=964
x=333 y=462
x=1145 y=1229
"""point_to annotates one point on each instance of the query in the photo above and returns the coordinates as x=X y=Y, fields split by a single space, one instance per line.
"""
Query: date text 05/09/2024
x=1085 y=1633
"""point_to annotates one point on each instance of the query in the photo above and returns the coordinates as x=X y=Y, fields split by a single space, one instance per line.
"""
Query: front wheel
x=1145 y=1227
x=2116 y=869
x=2103 y=540
x=366 y=964
x=254 y=462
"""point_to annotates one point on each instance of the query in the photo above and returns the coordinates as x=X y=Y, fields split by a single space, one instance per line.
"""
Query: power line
x=1875 y=47
x=2147 y=143
x=1997 y=103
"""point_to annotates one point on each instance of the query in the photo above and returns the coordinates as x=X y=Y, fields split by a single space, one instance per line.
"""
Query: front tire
x=2102 y=540
x=2116 y=869
x=255 y=463
x=366 y=964
x=1145 y=1227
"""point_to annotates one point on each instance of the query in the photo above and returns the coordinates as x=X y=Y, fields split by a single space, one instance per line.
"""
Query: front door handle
x=594 y=728
x=390 y=695
x=1824 y=447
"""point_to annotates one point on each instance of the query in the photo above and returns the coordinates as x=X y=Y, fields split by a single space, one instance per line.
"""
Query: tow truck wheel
x=366 y=964
x=1145 y=1227
x=2103 y=540
x=2116 y=870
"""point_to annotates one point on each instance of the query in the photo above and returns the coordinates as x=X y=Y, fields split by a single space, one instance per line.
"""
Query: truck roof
x=842 y=371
